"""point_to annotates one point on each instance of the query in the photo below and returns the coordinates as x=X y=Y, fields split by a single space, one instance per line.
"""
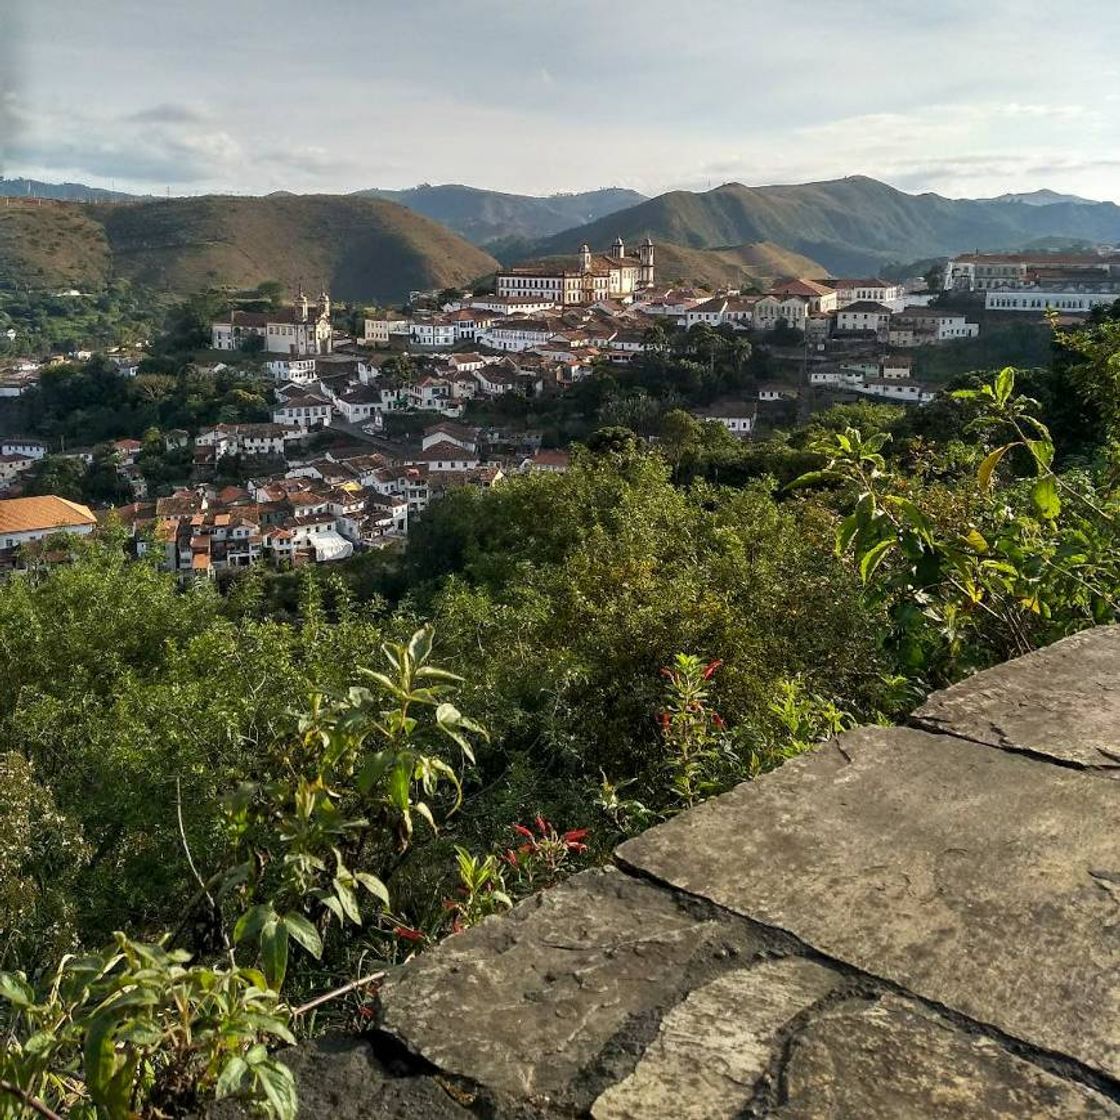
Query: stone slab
x=526 y=1003
x=1062 y=701
x=980 y=879
x=892 y=1059
x=713 y=1049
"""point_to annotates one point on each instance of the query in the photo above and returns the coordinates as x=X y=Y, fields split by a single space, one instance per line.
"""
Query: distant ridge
x=485 y=216
x=66 y=192
x=362 y=248
x=850 y=225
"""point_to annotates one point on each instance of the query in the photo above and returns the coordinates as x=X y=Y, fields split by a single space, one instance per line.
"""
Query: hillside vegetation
x=484 y=216
x=851 y=225
x=761 y=262
x=361 y=248
x=52 y=246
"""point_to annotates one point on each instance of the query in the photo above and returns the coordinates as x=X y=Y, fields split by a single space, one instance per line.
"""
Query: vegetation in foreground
x=247 y=821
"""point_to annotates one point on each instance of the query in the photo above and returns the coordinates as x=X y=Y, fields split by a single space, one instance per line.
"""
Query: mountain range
x=852 y=225
x=485 y=217
x=361 y=248
x=370 y=247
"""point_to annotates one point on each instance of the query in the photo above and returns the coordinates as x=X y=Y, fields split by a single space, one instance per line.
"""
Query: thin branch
x=33 y=1103
x=202 y=884
x=353 y=986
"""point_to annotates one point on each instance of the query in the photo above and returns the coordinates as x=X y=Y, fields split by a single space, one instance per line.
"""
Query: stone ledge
x=1061 y=702
x=896 y=924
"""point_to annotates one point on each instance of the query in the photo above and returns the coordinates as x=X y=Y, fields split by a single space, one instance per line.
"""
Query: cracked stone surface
x=979 y=879
x=713 y=1048
x=527 y=1003
x=893 y=1059
x=1062 y=701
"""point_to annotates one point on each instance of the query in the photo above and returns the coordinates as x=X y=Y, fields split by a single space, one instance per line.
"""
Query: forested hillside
x=360 y=248
x=850 y=225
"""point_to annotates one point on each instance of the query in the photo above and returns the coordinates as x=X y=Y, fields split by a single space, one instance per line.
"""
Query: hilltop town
x=368 y=426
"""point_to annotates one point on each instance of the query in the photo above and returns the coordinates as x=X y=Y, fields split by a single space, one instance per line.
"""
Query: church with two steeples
x=301 y=329
x=584 y=278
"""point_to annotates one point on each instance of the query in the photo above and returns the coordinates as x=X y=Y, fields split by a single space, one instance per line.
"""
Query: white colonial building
x=296 y=330
x=585 y=278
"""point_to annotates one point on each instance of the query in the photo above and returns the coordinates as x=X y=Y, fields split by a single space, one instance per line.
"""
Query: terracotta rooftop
x=23 y=515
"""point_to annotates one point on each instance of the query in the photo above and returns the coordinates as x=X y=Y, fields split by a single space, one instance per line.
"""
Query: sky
x=535 y=96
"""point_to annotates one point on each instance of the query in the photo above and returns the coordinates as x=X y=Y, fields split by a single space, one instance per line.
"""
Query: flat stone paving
x=898 y=924
x=1062 y=701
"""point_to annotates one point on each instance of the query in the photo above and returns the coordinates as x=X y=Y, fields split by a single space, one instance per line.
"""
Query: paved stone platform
x=919 y=922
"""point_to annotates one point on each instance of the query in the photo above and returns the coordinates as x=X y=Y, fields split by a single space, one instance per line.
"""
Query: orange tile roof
x=22 y=515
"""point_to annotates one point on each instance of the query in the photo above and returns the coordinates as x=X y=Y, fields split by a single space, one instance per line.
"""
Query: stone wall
x=914 y=922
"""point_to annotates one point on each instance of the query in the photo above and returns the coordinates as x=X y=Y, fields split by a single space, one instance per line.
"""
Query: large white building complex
x=1069 y=283
x=299 y=329
x=584 y=278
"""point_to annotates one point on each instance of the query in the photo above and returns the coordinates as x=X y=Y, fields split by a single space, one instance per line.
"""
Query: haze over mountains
x=378 y=245
x=484 y=216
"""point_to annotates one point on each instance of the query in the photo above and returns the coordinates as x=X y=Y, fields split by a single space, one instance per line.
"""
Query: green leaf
x=374 y=885
x=1005 y=384
x=279 y=1088
x=873 y=557
x=16 y=990
x=348 y=901
x=304 y=933
x=98 y=1057
x=274 y=951
x=229 y=1080
x=41 y=1042
x=1044 y=495
x=975 y=540
x=1043 y=451
x=914 y=516
x=845 y=533
x=251 y=922
x=812 y=478
x=420 y=645
x=991 y=461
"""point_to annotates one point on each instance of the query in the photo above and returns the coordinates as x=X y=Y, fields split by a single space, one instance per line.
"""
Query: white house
x=291 y=330
x=863 y=316
x=867 y=291
x=443 y=455
x=737 y=417
x=1066 y=302
x=30 y=519
x=378 y=330
x=300 y=370
x=926 y=326
x=304 y=411
x=434 y=334
x=17 y=445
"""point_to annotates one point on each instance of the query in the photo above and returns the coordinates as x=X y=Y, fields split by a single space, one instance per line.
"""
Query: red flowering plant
x=544 y=854
x=698 y=750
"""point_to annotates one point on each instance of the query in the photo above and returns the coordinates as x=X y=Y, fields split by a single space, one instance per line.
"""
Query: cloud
x=169 y=113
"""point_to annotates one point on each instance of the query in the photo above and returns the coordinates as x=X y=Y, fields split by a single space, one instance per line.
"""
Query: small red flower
x=717 y=719
x=663 y=719
x=543 y=826
x=408 y=934
x=710 y=668
x=521 y=830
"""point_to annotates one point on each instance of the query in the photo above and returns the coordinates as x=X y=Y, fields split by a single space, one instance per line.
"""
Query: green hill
x=52 y=246
x=362 y=248
x=761 y=262
x=484 y=216
x=851 y=225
